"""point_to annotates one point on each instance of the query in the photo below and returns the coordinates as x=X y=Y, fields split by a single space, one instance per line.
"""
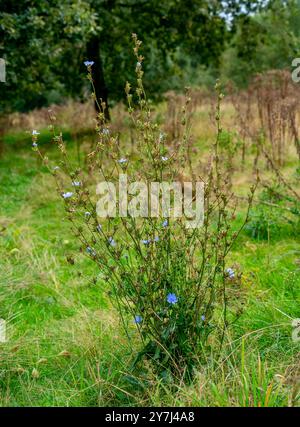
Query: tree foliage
x=264 y=41
x=45 y=43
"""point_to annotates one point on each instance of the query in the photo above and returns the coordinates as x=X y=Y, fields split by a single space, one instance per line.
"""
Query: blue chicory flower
x=165 y=223
x=138 y=319
x=230 y=273
x=172 y=298
x=67 y=195
x=203 y=317
x=146 y=241
x=112 y=242
x=88 y=63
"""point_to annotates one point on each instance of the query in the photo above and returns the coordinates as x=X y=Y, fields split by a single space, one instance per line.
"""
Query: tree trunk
x=93 y=54
x=3 y=121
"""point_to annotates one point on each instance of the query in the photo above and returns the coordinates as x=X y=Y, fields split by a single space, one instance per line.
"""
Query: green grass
x=66 y=347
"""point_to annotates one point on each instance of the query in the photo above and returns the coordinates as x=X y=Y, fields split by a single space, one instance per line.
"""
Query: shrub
x=165 y=279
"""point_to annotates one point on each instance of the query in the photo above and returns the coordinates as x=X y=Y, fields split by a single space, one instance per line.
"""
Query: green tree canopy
x=263 y=41
x=45 y=43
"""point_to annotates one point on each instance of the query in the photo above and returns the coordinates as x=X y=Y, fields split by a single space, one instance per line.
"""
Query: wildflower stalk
x=166 y=280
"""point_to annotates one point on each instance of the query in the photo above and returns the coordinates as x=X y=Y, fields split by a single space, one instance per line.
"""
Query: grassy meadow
x=66 y=346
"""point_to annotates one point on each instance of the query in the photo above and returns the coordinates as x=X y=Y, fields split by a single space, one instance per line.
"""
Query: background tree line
x=45 y=43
